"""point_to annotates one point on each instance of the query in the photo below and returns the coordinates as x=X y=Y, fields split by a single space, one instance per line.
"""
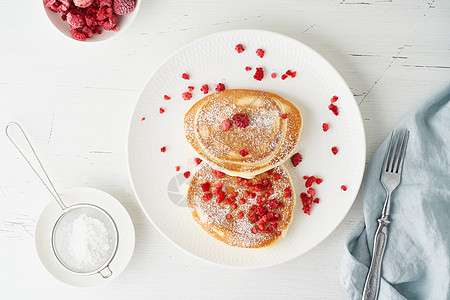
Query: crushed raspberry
x=284 y=116
x=207 y=196
x=187 y=174
x=283 y=77
x=241 y=120
x=167 y=97
x=190 y=88
x=186 y=96
x=335 y=150
x=78 y=35
x=319 y=180
x=305 y=177
x=205 y=186
x=240 y=215
x=291 y=74
x=185 y=76
x=220 y=87
x=310 y=181
x=204 y=89
x=325 y=127
x=229 y=216
x=334 y=109
x=276 y=176
x=163 y=149
x=218 y=174
x=143 y=119
x=239 y=48
x=248 y=68
x=110 y=23
x=123 y=7
x=87 y=32
x=311 y=191
x=198 y=160
x=316 y=200
x=177 y=168
x=296 y=159
x=243 y=152
x=226 y=124
x=334 y=99
x=260 y=53
x=161 y=110
x=259 y=74
x=343 y=187
x=273 y=75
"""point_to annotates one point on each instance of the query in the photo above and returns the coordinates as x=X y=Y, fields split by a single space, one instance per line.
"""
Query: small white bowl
x=64 y=28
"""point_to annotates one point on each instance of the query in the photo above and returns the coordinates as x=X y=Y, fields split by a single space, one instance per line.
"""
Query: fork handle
x=372 y=284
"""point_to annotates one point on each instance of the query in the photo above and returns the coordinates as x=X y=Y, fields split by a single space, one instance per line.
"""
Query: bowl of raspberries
x=91 y=20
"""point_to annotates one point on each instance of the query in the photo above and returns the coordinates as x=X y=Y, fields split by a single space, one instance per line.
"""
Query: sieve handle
x=49 y=186
x=107 y=273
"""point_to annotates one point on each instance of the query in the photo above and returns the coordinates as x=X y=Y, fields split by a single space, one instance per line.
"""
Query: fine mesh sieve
x=62 y=241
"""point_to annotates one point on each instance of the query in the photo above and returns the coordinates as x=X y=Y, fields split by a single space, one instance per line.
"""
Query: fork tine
x=392 y=153
x=386 y=156
x=403 y=151
x=398 y=150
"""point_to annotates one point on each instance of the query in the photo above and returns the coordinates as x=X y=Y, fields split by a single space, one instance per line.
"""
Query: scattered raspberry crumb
x=248 y=68
x=239 y=48
x=291 y=74
x=205 y=186
x=187 y=174
x=334 y=99
x=260 y=53
x=311 y=191
x=228 y=216
x=177 y=168
x=335 y=150
x=204 y=89
x=243 y=152
x=284 y=116
x=283 y=77
x=319 y=180
x=310 y=181
x=190 y=88
x=143 y=119
x=163 y=149
x=161 y=110
x=198 y=160
x=343 y=187
x=305 y=177
x=273 y=75
x=334 y=109
x=259 y=74
x=241 y=120
x=207 y=196
x=220 y=87
x=325 y=127
x=167 y=97
x=226 y=124
x=186 y=95
x=296 y=159
x=185 y=76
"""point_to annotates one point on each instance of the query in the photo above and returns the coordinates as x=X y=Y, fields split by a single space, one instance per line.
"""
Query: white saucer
x=120 y=216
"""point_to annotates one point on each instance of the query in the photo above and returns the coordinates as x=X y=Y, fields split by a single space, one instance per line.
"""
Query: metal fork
x=391 y=174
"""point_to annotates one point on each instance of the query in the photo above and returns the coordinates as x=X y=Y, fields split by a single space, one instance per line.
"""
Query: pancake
x=263 y=124
x=239 y=226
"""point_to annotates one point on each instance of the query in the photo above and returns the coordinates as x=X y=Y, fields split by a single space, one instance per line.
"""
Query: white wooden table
x=75 y=101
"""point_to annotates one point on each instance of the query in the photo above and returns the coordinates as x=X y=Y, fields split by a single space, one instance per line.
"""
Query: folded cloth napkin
x=416 y=262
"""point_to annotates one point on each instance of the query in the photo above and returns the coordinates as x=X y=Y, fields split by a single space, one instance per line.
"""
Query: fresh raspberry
x=273 y=75
x=198 y=160
x=334 y=109
x=186 y=96
x=75 y=21
x=185 y=76
x=259 y=74
x=283 y=77
x=204 y=89
x=220 y=87
x=343 y=187
x=77 y=35
x=167 y=97
x=161 y=110
x=82 y=3
x=325 y=127
x=260 y=53
x=284 y=116
x=190 y=88
x=334 y=99
x=239 y=48
x=335 y=150
x=226 y=124
x=177 y=168
x=187 y=174
x=111 y=23
x=163 y=149
x=248 y=68
x=243 y=152
x=241 y=120
x=296 y=159
x=104 y=13
x=123 y=7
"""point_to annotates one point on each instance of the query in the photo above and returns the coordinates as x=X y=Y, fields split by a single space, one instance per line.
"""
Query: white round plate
x=212 y=59
x=113 y=207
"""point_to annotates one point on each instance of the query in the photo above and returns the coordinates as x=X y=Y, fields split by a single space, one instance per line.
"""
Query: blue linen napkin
x=416 y=262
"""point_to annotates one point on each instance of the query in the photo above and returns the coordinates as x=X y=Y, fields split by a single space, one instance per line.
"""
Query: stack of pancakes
x=241 y=194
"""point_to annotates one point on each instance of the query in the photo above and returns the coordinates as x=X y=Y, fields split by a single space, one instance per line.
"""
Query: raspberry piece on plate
x=220 y=87
x=260 y=53
x=259 y=74
x=239 y=48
